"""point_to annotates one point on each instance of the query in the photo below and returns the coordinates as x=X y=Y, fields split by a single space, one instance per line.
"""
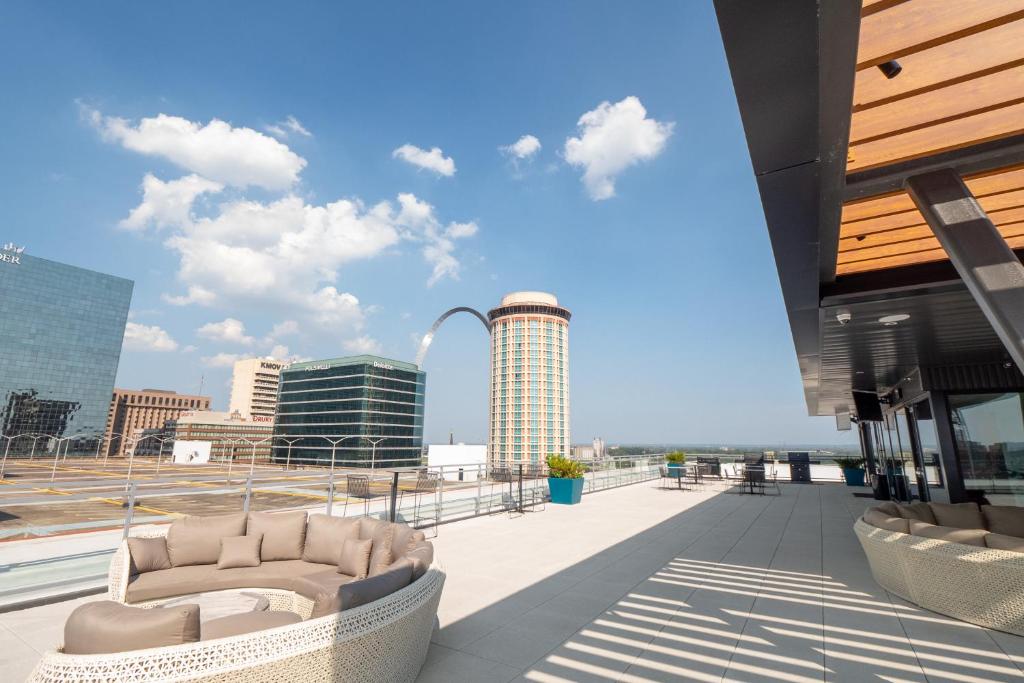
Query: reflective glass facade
x=364 y=399
x=60 y=341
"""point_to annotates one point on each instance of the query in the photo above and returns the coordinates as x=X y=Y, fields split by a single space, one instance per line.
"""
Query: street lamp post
x=330 y=481
x=56 y=455
x=288 y=459
x=110 y=443
x=373 y=453
x=7 y=450
x=252 y=462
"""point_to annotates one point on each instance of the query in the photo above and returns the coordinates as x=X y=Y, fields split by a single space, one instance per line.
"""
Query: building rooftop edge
x=354 y=360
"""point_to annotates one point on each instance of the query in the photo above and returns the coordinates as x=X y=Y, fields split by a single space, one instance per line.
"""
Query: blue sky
x=267 y=176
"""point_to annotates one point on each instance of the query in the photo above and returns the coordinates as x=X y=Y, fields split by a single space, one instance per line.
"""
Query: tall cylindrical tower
x=529 y=416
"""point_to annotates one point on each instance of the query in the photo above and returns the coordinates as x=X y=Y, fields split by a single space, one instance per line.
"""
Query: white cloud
x=223 y=360
x=362 y=344
x=281 y=128
x=227 y=330
x=439 y=242
x=235 y=156
x=168 y=203
x=612 y=138
x=190 y=349
x=139 y=337
x=283 y=329
x=523 y=148
x=434 y=160
x=196 y=295
x=279 y=352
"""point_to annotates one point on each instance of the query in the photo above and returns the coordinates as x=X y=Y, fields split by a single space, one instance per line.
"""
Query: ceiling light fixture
x=890 y=69
x=893 y=319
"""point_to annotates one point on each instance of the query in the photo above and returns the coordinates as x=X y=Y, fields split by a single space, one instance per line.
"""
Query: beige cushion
x=247 y=622
x=1004 y=542
x=148 y=554
x=919 y=511
x=312 y=585
x=198 y=578
x=421 y=555
x=877 y=518
x=355 y=593
x=382 y=534
x=324 y=537
x=959 y=515
x=948 y=533
x=196 y=540
x=890 y=508
x=355 y=558
x=239 y=551
x=1004 y=519
x=284 y=534
x=403 y=537
x=106 y=626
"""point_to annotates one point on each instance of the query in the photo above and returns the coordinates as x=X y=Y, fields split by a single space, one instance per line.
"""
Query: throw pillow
x=148 y=554
x=355 y=558
x=239 y=551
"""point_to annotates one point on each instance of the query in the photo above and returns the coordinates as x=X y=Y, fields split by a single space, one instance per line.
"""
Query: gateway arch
x=429 y=336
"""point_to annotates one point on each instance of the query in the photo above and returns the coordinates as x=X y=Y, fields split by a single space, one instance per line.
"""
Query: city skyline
x=359 y=213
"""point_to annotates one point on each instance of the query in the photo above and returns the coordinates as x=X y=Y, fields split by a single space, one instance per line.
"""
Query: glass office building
x=366 y=411
x=60 y=341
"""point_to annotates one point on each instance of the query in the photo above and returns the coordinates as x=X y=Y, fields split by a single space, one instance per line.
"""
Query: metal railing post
x=394 y=495
x=130 y=512
x=330 y=492
x=248 y=494
x=480 y=472
x=519 y=473
x=439 y=497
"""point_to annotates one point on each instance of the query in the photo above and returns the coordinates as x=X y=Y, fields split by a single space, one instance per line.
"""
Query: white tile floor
x=641 y=584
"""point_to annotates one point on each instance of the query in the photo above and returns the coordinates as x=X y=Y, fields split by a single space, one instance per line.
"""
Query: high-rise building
x=370 y=407
x=60 y=341
x=133 y=412
x=230 y=434
x=529 y=415
x=254 y=388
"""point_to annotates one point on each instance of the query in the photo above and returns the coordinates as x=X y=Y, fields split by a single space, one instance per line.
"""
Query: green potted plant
x=853 y=470
x=675 y=459
x=565 y=480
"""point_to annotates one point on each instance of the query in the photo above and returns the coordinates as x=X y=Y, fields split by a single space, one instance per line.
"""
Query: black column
x=947 y=448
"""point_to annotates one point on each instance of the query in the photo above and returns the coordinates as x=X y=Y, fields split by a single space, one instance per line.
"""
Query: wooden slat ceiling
x=962 y=84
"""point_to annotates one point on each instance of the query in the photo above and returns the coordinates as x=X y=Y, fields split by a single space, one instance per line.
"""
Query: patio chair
x=535 y=495
x=426 y=482
x=500 y=476
x=357 y=486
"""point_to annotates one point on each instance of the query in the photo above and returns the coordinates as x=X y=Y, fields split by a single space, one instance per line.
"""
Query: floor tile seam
x=903 y=627
x=649 y=639
x=757 y=596
x=568 y=588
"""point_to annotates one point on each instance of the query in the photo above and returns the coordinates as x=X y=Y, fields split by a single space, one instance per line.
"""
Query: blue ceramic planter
x=853 y=477
x=565 y=491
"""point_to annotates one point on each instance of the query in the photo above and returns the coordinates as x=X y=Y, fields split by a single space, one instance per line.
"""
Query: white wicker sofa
x=337 y=634
x=960 y=560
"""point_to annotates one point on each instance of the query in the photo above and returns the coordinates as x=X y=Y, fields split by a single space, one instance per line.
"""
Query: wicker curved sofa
x=383 y=640
x=975 y=577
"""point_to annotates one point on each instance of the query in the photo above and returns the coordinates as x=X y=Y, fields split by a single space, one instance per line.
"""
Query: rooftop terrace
x=640 y=583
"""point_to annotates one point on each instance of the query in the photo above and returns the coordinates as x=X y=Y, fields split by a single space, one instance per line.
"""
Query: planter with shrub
x=565 y=480
x=853 y=470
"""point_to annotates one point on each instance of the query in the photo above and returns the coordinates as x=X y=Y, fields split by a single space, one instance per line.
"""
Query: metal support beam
x=992 y=272
x=953 y=476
